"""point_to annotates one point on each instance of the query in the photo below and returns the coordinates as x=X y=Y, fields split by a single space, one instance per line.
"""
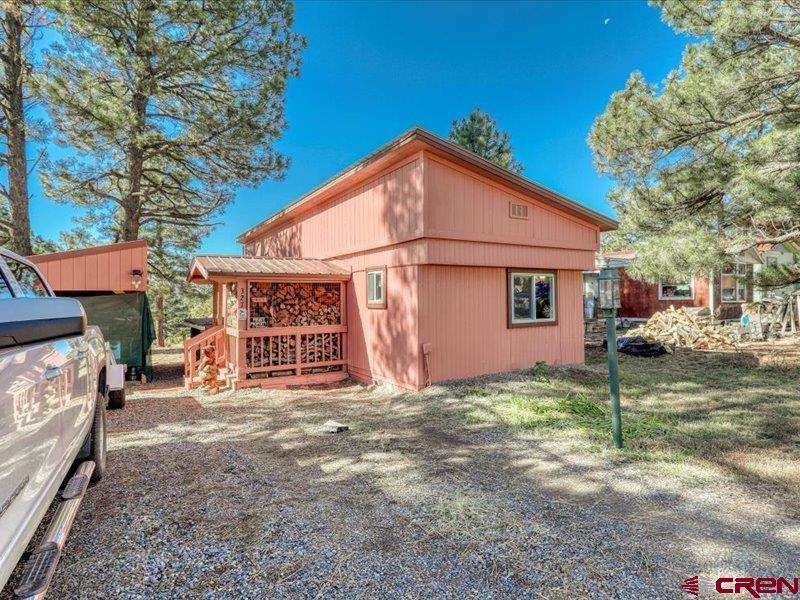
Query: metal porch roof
x=214 y=265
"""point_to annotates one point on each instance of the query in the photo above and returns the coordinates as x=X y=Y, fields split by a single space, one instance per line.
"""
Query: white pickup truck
x=55 y=376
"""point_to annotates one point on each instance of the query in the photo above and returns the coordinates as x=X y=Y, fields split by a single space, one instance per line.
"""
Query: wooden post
x=297 y=356
x=711 y=295
x=242 y=304
x=343 y=311
x=223 y=303
x=215 y=320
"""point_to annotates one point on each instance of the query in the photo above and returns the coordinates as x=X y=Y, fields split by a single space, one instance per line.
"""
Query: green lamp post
x=610 y=302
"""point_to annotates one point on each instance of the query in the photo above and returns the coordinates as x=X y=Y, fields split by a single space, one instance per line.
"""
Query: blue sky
x=371 y=70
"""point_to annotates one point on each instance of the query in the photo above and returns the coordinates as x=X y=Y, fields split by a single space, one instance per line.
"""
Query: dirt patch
x=152 y=412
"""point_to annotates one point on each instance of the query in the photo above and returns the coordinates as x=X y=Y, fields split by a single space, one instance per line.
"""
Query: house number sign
x=242 y=304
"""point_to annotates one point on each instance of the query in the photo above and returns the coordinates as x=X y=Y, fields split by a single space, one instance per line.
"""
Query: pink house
x=420 y=263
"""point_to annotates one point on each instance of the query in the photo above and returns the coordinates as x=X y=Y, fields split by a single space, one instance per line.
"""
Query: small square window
x=519 y=211
x=376 y=287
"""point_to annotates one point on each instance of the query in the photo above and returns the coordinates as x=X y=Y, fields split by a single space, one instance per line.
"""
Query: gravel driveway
x=240 y=495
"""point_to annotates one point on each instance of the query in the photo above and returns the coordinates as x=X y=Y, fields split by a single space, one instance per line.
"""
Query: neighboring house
x=779 y=254
x=724 y=297
x=420 y=263
x=111 y=283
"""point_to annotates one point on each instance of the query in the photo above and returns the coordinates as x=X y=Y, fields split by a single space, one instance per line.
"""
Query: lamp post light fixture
x=610 y=302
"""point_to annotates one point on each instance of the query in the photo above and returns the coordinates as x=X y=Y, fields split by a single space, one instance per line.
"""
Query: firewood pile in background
x=294 y=304
x=767 y=319
x=678 y=327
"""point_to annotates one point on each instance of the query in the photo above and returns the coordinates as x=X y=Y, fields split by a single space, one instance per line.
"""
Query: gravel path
x=240 y=496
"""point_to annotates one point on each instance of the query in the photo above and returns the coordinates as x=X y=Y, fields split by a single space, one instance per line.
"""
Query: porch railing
x=193 y=350
x=277 y=351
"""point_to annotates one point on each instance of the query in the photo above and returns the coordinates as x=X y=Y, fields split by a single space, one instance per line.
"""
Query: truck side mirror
x=30 y=320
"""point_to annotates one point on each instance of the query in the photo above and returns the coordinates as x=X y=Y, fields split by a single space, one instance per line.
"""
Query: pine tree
x=174 y=299
x=169 y=105
x=19 y=23
x=478 y=133
x=707 y=163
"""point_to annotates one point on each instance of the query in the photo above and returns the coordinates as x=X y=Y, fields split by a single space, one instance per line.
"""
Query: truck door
x=71 y=363
x=31 y=451
x=78 y=403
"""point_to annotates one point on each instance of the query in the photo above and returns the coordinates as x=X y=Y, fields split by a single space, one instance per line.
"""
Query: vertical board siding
x=446 y=237
x=463 y=316
x=639 y=299
x=382 y=344
x=458 y=252
x=385 y=210
x=464 y=205
x=101 y=269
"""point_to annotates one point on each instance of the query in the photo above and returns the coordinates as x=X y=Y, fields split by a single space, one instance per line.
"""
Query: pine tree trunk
x=17 y=160
x=130 y=222
x=160 y=326
x=132 y=203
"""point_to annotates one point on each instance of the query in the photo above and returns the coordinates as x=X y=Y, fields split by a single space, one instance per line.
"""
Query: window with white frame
x=532 y=298
x=676 y=291
x=376 y=287
x=733 y=283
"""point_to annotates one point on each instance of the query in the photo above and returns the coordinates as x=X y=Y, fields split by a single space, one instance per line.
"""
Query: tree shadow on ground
x=418 y=499
x=240 y=494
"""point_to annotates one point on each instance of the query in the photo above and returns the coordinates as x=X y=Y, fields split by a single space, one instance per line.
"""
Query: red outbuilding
x=111 y=283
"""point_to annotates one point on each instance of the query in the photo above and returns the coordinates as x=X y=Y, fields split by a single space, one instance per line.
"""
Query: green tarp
x=127 y=325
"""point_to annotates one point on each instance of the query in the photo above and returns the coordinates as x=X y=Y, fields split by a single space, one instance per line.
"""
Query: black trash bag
x=638 y=346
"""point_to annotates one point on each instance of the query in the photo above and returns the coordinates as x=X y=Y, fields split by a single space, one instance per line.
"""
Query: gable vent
x=519 y=211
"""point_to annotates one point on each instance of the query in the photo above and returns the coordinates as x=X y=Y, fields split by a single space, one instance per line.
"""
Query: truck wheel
x=98 y=443
x=116 y=399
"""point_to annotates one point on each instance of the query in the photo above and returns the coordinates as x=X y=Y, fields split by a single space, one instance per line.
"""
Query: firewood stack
x=294 y=304
x=677 y=327
x=319 y=347
x=276 y=350
x=280 y=350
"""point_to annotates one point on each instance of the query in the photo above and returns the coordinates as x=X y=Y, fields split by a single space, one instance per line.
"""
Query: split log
x=207 y=372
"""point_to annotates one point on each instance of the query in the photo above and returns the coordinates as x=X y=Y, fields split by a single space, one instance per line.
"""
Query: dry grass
x=728 y=414
x=496 y=487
